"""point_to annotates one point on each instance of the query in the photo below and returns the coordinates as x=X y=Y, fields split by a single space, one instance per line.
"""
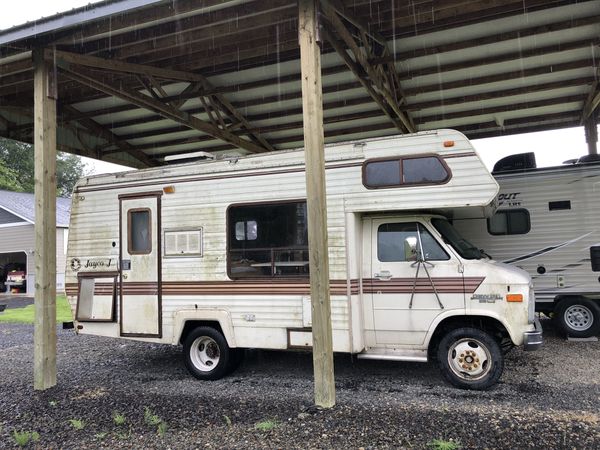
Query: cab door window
x=395 y=242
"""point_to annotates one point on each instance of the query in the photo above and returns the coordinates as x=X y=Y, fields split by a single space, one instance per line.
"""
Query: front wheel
x=206 y=354
x=470 y=358
x=578 y=318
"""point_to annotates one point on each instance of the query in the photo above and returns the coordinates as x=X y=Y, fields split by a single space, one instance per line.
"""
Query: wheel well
x=488 y=324
x=193 y=324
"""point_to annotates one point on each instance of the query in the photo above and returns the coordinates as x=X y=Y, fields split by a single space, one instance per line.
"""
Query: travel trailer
x=548 y=223
x=213 y=255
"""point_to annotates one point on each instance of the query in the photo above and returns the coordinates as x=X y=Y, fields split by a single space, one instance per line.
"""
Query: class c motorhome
x=548 y=223
x=214 y=256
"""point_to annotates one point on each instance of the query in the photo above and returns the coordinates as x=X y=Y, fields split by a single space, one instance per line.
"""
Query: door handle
x=384 y=275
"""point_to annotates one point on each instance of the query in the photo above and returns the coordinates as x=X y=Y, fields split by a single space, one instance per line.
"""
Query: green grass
x=27 y=314
x=266 y=425
x=78 y=424
x=22 y=438
x=440 y=444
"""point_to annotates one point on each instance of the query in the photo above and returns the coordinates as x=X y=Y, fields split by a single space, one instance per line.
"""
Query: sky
x=550 y=147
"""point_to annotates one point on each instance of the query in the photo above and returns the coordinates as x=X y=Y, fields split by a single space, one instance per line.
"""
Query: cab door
x=408 y=292
x=140 y=268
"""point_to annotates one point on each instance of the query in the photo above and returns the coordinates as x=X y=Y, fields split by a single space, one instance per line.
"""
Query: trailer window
x=509 y=221
x=407 y=171
x=392 y=247
x=267 y=240
x=140 y=238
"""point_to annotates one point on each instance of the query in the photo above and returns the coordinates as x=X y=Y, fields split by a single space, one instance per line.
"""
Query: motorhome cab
x=214 y=255
x=547 y=224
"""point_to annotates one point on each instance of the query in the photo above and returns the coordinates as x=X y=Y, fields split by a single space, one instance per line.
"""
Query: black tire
x=206 y=354
x=578 y=317
x=470 y=358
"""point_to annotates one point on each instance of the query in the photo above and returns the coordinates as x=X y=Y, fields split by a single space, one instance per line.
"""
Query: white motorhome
x=214 y=255
x=548 y=223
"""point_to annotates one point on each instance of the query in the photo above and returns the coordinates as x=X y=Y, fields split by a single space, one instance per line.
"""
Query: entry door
x=140 y=266
x=393 y=280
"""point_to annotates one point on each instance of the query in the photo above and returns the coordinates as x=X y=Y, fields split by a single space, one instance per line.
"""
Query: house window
x=394 y=242
x=140 y=236
x=267 y=240
x=408 y=171
x=509 y=221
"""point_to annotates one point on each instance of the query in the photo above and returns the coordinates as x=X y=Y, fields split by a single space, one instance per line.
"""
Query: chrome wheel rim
x=469 y=359
x=579 y=317
x=205 y=353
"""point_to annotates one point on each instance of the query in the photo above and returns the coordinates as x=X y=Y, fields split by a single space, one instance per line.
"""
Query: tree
x=8 y=180
x=18 y=158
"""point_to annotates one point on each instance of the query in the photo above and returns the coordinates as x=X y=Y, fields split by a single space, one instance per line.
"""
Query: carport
x=134 y=81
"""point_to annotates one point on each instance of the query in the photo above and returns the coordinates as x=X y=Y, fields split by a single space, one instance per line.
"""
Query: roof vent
x=520 y=161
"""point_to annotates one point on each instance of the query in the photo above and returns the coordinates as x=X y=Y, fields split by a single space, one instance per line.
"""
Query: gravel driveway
x=548 y=399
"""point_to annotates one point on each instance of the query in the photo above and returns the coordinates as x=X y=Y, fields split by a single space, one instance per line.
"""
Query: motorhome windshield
x=453 y=238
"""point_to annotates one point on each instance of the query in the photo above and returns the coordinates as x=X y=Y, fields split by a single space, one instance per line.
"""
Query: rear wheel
x=470 y=358
x=578 y=317
x=206 y=354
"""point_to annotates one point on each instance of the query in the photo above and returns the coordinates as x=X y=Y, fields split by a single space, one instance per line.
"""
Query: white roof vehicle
x=214 y=255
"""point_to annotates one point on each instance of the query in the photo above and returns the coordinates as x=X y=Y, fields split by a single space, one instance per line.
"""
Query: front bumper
x=532 y=340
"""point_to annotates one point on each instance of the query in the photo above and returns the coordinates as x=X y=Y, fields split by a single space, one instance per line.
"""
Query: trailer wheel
x=578 y=317
x=470 y=358
x=206 y=354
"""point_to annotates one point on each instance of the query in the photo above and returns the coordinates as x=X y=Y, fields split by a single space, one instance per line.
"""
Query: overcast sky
x=551 y=147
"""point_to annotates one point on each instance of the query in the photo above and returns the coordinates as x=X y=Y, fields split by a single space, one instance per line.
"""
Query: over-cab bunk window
x=405 y=171
x=267 y=240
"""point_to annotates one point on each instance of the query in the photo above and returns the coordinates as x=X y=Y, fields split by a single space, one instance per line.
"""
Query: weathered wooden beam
x=163 y=109
x=312 y=104
x=44 y=359
x=66 y=58
x=593 y=99
x=105 y=133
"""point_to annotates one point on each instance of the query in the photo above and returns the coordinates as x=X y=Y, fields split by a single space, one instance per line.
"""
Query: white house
x=17 y=237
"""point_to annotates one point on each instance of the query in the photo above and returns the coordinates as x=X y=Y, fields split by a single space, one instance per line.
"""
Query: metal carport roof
x=213 y=75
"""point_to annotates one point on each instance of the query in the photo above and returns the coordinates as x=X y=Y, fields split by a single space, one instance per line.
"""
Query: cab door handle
x=383 y=275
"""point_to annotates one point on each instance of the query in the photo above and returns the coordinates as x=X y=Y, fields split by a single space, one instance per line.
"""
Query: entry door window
x=393 y=241
x=140 y=235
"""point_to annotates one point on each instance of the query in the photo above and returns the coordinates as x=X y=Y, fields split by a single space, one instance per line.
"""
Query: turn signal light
x=514 y=297
x=448 y=143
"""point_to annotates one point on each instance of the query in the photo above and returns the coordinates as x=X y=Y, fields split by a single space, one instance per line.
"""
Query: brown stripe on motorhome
x=292 y=287
x=447 y=285
x=241 y=174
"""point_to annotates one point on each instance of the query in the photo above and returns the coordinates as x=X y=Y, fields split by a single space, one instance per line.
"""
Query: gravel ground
x=546 y=400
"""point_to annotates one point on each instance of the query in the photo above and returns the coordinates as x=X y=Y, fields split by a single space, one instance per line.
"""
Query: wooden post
x=44 y=362
x=591 y=134
x=312 y=106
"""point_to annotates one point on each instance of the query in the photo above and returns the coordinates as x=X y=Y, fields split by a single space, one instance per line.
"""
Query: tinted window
x=140 y=239
x=509 y=221
x=394 y=241
x=383 y=173
x=423 y=170
x=405 y=172
x=268 y=240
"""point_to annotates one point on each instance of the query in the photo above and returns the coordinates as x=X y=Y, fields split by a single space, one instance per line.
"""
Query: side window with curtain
x=509 y=221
